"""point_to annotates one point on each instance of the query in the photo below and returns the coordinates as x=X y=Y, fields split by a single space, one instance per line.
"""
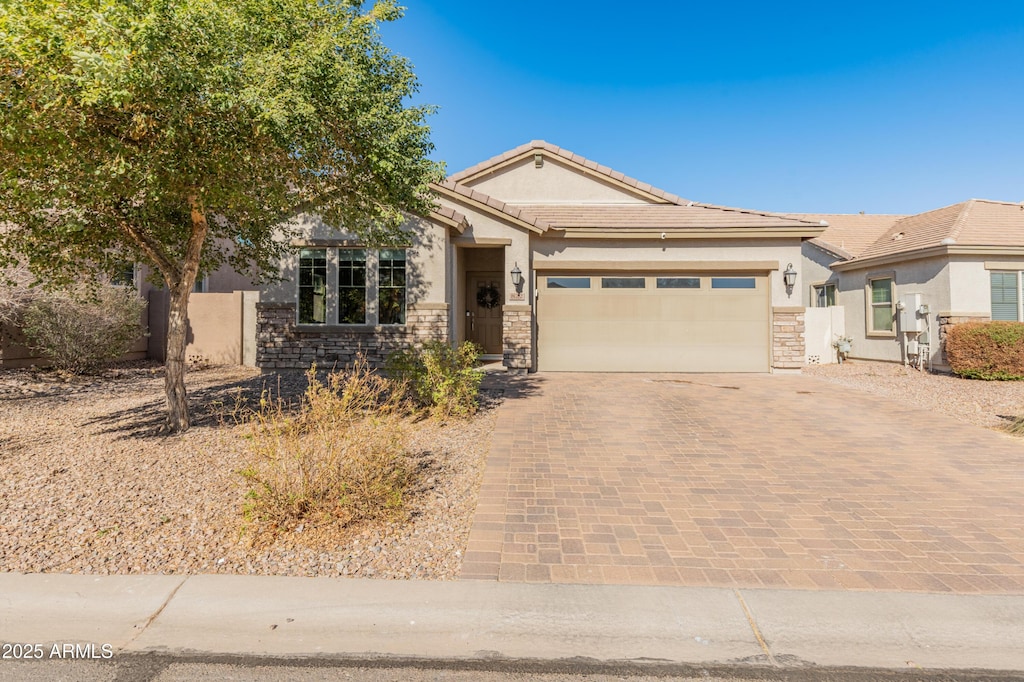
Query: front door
x=484 y=300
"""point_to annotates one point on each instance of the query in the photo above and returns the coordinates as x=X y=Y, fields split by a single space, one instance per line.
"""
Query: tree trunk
x=174 y=364
x=180 y=283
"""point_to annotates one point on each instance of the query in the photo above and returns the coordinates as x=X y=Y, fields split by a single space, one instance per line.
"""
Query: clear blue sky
x=883 y=107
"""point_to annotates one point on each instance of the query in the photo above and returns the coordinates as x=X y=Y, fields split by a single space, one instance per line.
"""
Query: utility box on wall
x=911 y=322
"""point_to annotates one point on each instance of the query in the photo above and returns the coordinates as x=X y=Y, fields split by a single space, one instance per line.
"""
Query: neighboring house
x=552 y=262
x=923 y=273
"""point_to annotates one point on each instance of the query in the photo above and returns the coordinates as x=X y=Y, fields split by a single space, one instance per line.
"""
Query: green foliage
x=440 y=378
x=340 y=459
x=83 y=329
x=987 y=350
x=121 y=119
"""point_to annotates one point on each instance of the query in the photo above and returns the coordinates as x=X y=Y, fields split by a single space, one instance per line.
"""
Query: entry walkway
x=780 y=481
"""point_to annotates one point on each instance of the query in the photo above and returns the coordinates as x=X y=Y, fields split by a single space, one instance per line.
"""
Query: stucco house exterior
x=550 y=262
x=903 y=281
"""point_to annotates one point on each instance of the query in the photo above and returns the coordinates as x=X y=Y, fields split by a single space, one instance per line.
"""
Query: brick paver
x=747 y=481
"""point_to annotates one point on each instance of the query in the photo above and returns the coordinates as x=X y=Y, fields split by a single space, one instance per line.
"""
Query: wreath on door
x=488 y=296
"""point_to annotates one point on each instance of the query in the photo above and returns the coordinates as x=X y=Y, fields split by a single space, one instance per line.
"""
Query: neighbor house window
x=882 y=312
x=351 y=286
x=313 y=286
x=824 y=295
x=124 y=275
x=391 y=286
x=1005 y=296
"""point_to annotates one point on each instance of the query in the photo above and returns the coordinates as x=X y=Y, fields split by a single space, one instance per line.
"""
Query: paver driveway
x=744 y=480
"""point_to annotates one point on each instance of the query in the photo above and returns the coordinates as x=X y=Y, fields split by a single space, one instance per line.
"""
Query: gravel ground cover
x=983 y=403
x=86 y=485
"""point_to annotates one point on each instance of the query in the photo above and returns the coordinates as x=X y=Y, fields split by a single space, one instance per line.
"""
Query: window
x=733 y=283
x=124 y=275
x=351 y=286
x=678 y=283
x=622 y=283
x=391 y=286
x=313 y=286
x=568 y=282
x=881 y=313
x=824 y=295
x=1005 y=296
x=201 y=285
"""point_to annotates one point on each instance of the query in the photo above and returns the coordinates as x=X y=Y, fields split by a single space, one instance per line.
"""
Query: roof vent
x=689 y=203
x=823 y=222
x=538 y=160
x=948 y=241
x=898 y=236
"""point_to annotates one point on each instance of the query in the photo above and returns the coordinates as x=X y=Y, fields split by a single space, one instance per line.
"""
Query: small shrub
x=442 y=379
x=1016 y=426
x=987 y=350
x=83 y=329
x=340 y=458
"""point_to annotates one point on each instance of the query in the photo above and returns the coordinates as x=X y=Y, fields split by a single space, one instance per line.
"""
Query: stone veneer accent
x=788 y=349
x=949 y=320
x=281 y=344
x=517 y=337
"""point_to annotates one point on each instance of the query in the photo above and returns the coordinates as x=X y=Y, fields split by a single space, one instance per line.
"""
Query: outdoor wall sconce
x=789 y=278
x=517 y=277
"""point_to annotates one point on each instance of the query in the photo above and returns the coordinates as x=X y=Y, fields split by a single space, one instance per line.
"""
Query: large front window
x=882 y=314
x=351 y=286
x=391 y=286
x=313 y=286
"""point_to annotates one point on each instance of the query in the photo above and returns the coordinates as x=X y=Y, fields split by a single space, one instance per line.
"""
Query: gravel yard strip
x=87 y=487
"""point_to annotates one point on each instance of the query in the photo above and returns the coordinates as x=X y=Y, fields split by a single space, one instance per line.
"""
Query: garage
x=653 y=322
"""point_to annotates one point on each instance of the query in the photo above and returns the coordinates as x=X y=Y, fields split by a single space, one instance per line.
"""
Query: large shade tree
x=181 y=133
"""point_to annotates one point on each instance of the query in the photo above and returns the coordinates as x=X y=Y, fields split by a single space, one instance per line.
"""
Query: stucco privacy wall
x=929 y=277
x=553 y=182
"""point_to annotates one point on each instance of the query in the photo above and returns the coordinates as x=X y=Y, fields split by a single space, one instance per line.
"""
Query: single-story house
x=551 y=262
x=903 y=281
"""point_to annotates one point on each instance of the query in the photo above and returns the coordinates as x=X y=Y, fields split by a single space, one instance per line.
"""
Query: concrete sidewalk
x=480 y=620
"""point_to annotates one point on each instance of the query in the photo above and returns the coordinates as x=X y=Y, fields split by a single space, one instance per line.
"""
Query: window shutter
x=1004 y=296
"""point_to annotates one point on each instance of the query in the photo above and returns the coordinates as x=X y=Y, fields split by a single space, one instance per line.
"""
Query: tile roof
x=450 y=214
x=660 y=216
x=976 y=222
x=848 y=234
x=534 y=146
x=472 y=195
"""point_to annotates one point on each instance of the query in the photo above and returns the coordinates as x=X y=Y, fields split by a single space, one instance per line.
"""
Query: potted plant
x=842 y=345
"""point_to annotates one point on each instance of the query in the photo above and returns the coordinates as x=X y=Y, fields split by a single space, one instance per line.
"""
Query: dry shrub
x=339 y=459
x=442 y=379
x=82 y=329
x=987 y=350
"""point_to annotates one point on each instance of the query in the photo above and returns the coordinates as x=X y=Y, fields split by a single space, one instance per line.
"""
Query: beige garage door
x=628 y=322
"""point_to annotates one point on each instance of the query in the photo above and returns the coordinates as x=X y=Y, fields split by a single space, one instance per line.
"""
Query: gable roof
x=972 y=225
x=848 y=234
x=488 y=204
x=525 y=151
x=692 y=216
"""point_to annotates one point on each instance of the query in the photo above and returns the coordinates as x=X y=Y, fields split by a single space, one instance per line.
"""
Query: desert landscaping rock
x=982 y=403
x=88 y=487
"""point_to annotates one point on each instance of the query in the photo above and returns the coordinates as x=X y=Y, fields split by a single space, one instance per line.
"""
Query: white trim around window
x=880 y=305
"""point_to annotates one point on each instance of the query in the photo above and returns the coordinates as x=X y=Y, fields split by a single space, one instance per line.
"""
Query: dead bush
x=82 y=329
x=987 y=350
x=338 y=459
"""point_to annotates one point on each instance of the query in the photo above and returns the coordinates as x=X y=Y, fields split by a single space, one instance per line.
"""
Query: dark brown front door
x=484 y=299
